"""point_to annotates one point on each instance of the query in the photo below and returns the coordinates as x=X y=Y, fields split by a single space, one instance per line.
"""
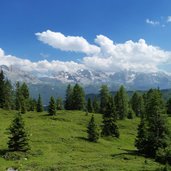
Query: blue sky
x=118 y=20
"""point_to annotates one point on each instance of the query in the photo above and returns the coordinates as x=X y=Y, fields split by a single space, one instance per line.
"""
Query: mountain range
x=55 y=83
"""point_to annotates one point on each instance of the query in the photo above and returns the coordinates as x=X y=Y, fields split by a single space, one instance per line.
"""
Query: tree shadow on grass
x=126 y=152
x=3 y=152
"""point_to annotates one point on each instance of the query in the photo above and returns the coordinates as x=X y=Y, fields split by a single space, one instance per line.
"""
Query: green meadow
x=60 y=143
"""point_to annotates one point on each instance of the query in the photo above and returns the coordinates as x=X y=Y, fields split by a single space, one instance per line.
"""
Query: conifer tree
x=18 y=139
x=52 y=106
x=2 y=89
x=141 y=140
x=157 y=132
x=68 y=98
x=59 y=103
x=110 y=127
x=131 y=113
x=104 y=97
x=89 y=106
x=39 y=107
x=137 y=104
x=95 y=105
x=121 y=103
x=78 y=98
x=8 y=102
x=92 y=131
x=17 y=96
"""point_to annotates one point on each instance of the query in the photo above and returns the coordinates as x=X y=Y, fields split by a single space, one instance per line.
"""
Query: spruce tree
x=52 y=107
x=110 y=127
x=121 y=102
x=137 y=104
x=95 y=105
x=2 y=89
x=104 y=97
x=78 y=98
x=39 y=106
x=17 y=96
x=59 y=103
x=18 y=139
x=68 y=98
x=92 y=131
x=141 y=142
x=8 y=102
x=89 y=106
x=157 y=132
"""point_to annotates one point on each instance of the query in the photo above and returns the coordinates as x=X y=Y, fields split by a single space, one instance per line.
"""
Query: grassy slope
x=59 y=144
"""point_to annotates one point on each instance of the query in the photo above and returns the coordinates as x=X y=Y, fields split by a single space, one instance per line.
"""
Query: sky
x=103 y=35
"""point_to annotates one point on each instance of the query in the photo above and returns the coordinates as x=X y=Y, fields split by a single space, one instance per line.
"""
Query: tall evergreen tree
x=18 y=139
x=110 y=127
x=89 y=106
x=137 y=104
x=92 y=131
x=17 y=96
x=121 y=102
x=104 y=97
x=158 y=135
x=52 y=106
x=68 y=98
x=39 y=107
x=78 y=98
x=8 y=102
x=141 y=140
x=2 y=89
x=96 y=105
x=59 y=103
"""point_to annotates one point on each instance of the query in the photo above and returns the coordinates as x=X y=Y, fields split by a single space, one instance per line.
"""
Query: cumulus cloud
x=151 y=22
x=110 y=57
x=42 y=67
x=136 y=56
x=67 y=43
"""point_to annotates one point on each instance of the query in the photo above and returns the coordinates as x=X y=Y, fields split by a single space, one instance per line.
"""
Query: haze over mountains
x=90 y=79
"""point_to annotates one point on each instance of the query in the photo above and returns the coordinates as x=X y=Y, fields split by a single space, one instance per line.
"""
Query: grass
x=59 y=143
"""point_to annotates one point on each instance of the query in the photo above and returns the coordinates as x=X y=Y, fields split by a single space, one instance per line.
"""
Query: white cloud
x=136 y=56
x=151 y=22
x=43 y=67
x=110 y=57
x=169 y=19
x=67 y=43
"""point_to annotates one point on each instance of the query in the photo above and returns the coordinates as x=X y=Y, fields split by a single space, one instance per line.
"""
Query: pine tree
x=121 y=102
x=17 y=97
x=78 y=98
x=157 y=132
x=89 y=106
x=8 y=102
x=68 y=98
x=110 y=127
x=59 y=103
x=52 y=106
x=96 y=105
x=141 y=140
x=92 y=131
x=104 y=97
x=2 y=89
x=131 y=113
x=18 y=139
x=39 y=106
